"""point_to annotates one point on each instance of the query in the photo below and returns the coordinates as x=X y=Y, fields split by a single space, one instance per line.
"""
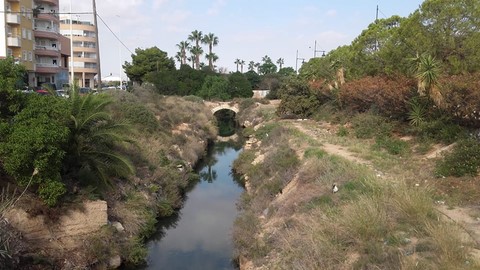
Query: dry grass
x=376 y=220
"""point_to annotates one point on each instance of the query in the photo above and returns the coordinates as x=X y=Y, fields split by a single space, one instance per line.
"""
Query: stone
x=114 y=262
x=117 y=225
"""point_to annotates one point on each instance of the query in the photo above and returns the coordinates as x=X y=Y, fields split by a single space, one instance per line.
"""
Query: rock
x=117 y=225
x=79 y=222
x=114 y=262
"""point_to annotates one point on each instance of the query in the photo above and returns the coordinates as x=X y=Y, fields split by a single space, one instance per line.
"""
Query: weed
x=392 y=145
x=464 y=159
x=314 y=152
x=369 y=125
x=342 y=131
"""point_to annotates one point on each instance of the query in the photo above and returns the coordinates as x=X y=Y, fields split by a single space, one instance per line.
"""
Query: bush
x=393 y=146
x=386 y=95
x=36 y=142
x=368 y=125
x=462 y=98
x=138 y=114
x=440 y=129
x=463 y=160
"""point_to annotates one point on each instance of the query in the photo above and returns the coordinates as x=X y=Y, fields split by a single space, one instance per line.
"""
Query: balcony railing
x=14 y=42
x=47 y=65
x=13 y=18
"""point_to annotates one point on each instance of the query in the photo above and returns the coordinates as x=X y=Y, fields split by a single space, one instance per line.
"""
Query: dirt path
x=467 y=218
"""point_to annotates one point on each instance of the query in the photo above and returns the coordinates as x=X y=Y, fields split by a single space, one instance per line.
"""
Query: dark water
x=199 y=235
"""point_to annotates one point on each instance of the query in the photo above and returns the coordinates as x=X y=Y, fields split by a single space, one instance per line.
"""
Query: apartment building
x=83 y=34
x=52 y=50
x=16 y=34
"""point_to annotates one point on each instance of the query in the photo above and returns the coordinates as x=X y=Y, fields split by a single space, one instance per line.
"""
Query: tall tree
x=237 y=62
x=242 y=62
x=197 y=51
x=212 y=58
x=145 y=61
x=211 y=40
x=251 y=66
x=183 y=46
x=196 y=36
x=267 y=66
x=280 y=62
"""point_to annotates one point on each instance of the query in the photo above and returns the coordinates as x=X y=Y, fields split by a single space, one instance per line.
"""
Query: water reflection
x=198 y=236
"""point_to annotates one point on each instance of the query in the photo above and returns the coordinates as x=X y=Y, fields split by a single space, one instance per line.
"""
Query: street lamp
x=315 y=50
x=296 y=62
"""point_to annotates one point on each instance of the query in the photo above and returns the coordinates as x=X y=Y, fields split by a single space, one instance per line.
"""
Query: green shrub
x=138 y=114
x=342 y=132
x=392 y=145
x=35 y=142
x=368 y=125
x=464 y=159
x=246 y=103
x=314 y=152
x=441 y=129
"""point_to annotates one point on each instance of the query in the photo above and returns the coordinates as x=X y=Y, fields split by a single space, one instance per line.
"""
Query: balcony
x=51 y=2
x=48 y=16
x=14 y=42
x=41 y=32
x=47 y=69
x=13 y=18
x=46 y=51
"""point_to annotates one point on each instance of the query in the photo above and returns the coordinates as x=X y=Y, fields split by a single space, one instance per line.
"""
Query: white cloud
x=332 y=13
x=216 y=7
x=174 y=20
x=158 y=3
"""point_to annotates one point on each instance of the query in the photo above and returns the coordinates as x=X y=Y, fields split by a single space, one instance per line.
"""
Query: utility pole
x=99 y=74
x=376 y=16
x=72 y=74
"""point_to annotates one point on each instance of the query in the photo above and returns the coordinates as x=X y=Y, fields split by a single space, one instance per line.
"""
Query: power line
x=113 y=33
x=51 y=13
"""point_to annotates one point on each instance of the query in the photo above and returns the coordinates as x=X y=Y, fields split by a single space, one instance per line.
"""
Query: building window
x=30 y=56
x=29 y=13
x=24 y=55
x=29 y=34
x=24 y=33
x=9 y=52
x=23 y=11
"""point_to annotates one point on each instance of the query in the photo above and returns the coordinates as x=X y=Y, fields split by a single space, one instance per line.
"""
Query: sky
x=247 y=29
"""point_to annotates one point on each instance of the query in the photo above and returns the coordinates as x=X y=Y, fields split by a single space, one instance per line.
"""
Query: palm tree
x=251 y=66
x=184 y=46
x=212 y=58
x=237 y=62
x=192 y=60
x=257 y=66
x=427 y=73
x=196 y=36
x=94 y=138
x=242 y=62
x=179 y=58
x=197 y=51
x=211 y=40
x=280 y=62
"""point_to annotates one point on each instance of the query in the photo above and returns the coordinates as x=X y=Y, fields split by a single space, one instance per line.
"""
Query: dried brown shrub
x=462 y=98
x=388 y=96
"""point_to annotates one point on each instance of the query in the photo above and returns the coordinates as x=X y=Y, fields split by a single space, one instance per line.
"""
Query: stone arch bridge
x=218 y=106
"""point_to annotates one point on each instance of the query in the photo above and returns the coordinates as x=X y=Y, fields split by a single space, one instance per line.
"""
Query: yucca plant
x=427 y=73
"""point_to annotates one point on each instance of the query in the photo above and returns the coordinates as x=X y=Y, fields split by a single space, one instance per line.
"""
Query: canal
x=198 y=236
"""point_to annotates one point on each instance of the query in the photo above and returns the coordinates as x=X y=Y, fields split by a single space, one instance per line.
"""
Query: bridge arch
x=225 y=107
